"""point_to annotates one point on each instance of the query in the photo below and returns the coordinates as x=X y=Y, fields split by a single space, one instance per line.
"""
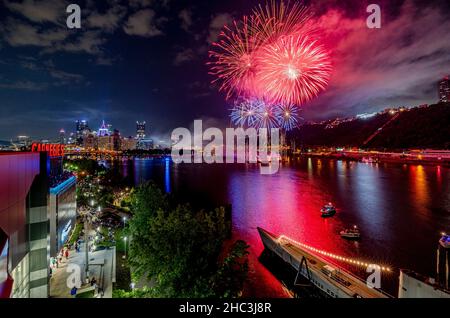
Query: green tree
x=178 y=249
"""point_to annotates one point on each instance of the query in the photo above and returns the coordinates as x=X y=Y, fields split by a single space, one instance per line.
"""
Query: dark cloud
x=216 y=25
x=18 y=33
x=89 y=42
x=108 y=21
x=142 y=23
x=39 y=10
x=184 y=56
x=24 y=85
x=185 y=17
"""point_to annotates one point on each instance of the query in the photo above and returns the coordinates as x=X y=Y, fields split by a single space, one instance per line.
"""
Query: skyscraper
x=140 y=130
x=104 y=130
x=116 y=140
x=62 y=136
x=81 y=128
x=444 y=90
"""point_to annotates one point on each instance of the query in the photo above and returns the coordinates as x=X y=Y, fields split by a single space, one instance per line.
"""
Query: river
x=400 y=209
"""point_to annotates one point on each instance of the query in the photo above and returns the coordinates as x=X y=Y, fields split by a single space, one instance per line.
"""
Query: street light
x=125 y=239
x=124 y=220
x=86 y=242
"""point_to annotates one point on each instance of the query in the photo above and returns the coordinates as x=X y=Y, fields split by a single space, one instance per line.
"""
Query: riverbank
x=435 y=158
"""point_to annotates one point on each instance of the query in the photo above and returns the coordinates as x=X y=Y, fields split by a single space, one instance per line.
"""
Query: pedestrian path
x=101 y=266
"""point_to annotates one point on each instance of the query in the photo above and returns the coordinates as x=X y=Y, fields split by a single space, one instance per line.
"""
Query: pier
x=332 y=280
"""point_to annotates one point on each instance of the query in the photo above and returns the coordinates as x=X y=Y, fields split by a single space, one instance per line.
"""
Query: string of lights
x=331 y=255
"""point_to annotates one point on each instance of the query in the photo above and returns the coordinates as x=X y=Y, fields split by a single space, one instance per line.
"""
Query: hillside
x=421 y=127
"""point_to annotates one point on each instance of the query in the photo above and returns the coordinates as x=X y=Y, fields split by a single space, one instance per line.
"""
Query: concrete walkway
x=101 y=265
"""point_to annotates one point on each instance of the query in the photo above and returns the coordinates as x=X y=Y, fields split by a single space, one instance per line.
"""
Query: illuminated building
x=444 y=90
x=144 y=144
x=140 y=130
x=62 y=213
x=23 y=224
x=128 y=143
x=116 y=140
x=37 y=213
x=81 y=129
x=105 y=143
x=23 y=141
x=62 y=137
x=103 y=130
x=90 y=141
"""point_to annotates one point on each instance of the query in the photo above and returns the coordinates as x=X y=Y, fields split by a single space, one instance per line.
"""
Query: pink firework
x=272 y=55
x=233 y=58
x=276 y=19
x=293 y=69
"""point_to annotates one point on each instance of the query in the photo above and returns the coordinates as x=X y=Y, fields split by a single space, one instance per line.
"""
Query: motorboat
x=328 y=210
x=351 y=233
x=445 y=240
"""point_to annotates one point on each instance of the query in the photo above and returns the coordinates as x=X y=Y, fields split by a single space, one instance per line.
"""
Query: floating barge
x=332 y=280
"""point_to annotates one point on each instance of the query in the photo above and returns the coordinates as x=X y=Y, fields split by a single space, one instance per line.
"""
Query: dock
x=336 y=282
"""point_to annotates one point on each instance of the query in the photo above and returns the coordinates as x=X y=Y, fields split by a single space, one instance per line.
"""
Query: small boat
x=445 y=240
x=328 y=210
x=265 y=162
x=352 y=233
x=369 y=160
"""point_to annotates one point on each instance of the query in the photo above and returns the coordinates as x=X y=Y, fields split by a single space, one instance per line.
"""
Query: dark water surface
x=400 y=209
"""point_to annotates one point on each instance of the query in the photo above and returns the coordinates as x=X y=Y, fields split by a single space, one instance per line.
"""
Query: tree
x=178 y=249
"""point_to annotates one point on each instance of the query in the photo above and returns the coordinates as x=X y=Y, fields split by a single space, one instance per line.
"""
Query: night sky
x=145 y=60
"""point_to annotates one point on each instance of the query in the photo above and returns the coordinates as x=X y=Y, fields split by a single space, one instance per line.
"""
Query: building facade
x=62 y=213
x=82 y=129
x=128 y=143
x=24 y=224
x=444 y=90
x=37 y=213
x=140 y=130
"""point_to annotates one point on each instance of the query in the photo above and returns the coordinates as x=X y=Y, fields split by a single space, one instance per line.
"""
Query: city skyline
x=112 y=69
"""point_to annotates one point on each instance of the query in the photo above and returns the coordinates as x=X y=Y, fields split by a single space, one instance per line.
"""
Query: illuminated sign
x=54 y=150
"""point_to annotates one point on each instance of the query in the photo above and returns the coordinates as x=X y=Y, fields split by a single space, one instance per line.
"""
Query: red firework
x=293 y=70
x=234 y=58
x=272 y=55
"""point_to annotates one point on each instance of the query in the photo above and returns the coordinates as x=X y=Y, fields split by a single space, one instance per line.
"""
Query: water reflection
x=167 y=174
x=400 y=210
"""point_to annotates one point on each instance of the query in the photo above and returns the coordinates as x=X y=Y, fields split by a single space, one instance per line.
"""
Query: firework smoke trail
x=293 y=70
x=288 y=116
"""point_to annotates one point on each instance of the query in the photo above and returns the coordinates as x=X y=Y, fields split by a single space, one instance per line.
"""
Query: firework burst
x=233 y=58
x=260 y=114
x=293 y=70
x=245 y=112
x=272 y=55
x=267 y=116
x=288 y=116
x=277 y=19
